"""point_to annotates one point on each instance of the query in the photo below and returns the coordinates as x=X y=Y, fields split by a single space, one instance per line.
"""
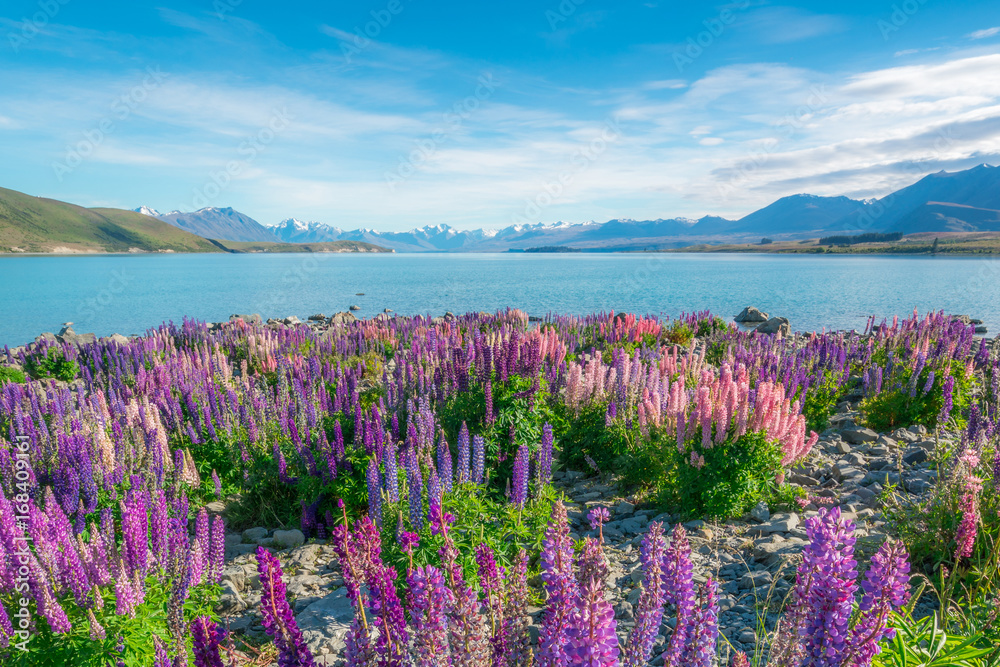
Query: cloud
x=983 y=34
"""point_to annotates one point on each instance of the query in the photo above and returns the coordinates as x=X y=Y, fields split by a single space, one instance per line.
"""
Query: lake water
x=130 y=293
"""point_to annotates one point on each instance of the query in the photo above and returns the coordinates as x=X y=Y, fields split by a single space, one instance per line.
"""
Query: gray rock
x=760 y=512
x=325 y=623
x=291 y=320
x=254 y=534
x=232 y=539
x=253 y=318
x=288 y=539
x=343 y=318
x=859 y=434
x=774 y=325
x=355 y=307
x=318 y=317
x=914 y=455
x=624 y=508
x=779 y=523
x=750 y=314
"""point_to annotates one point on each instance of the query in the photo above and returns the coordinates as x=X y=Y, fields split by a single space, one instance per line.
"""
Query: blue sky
x=400 y=113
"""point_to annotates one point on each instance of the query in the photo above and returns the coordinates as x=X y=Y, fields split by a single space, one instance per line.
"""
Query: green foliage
x=481 y=517
x=737 y=474
x=925 y=643
x=905 y=403
x=820 y=402
x=678 y=333
x=8 y=374
x=45 y=648
x=53 y=365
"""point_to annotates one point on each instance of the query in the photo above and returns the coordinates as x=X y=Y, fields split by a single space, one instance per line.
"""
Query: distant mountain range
x=963 y=201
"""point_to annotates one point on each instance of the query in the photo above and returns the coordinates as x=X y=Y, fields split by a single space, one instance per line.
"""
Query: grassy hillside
x=33 y=224
x=948 y=243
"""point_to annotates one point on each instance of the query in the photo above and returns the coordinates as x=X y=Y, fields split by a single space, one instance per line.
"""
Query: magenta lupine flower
x=701 y=648
x=217 y=551
x=649 y=613
x=374 y=492
x=560 y=587
x=591 y=638
x=519 y=486
x=597 y=518
x=886 y=588
x=135 y=540
x=202 y=538
x=740 y=660
x=430 y=601
x=478 y=458
x=159 y=520
x=408 y=542
x=277 y=617
x=678 y=571
x=205 y=638
x=516 y=596
x=392 y=640
x=830 y=556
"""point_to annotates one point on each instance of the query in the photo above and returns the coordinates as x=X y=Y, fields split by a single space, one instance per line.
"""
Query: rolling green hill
x=33 y=224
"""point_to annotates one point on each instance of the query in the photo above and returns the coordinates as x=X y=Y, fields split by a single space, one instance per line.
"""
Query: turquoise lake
x=128 y=294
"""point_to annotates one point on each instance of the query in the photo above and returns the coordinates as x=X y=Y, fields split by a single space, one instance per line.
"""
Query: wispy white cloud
x=983 y=34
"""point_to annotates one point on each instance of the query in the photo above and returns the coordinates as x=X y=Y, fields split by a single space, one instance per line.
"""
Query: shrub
x=8 y=374
x=735 y=476
x=53 y=364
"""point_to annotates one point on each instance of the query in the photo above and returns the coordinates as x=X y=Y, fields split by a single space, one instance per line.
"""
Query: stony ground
x=753 y=559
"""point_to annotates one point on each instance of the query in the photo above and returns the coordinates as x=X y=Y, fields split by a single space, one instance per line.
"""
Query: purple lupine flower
x=649 y=613
x=678 y=571
x=946 y=404
x=560 y=587
x=217 y=483
x=597 y=518
x=277 y=617
x=468 y=635
x=160 y=656
x=491 y=579
x=545 y=456
x=135 y=540
x=430 y=601
x=6 y=628
x=519 y=487
x=701 y=648
x=414 y=490
x=205 y=642
x=886 y=588
x=445 y=469
x=478 y=458
x=374 y=492
x=391 y=472
x=464 y=461
x=591 y=638
x=830 y=556
x=358 y=651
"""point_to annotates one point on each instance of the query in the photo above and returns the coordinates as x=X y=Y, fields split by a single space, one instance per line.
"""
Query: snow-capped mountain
x=958 y=201
x=223 y=224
